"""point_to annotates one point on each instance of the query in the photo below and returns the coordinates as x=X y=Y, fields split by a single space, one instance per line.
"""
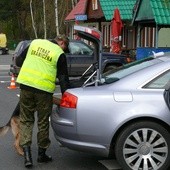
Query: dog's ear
x=56 y=100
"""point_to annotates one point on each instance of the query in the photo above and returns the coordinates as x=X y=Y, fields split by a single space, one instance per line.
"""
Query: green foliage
x=15 y=18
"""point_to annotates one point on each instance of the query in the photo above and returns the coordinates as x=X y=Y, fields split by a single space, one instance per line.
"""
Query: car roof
x=23 y=44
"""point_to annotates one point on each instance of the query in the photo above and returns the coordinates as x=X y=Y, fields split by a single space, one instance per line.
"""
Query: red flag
x=116 y=30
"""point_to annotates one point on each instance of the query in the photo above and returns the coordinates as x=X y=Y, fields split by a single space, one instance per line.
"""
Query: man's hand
x=56 y=100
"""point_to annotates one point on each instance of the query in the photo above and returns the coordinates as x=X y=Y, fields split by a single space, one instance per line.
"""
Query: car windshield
x=123 y=71
x=80 y=48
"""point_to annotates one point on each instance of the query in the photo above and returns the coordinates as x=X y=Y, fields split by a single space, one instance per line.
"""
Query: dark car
x=79 y=58
x=4 y=50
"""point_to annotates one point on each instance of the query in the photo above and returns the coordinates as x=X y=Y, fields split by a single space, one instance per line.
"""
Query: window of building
x=148 y=37
x=106 y=31
x=94 y=4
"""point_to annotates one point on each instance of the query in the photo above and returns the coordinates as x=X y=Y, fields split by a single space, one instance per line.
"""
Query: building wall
x=164 y=37
x=94 y=13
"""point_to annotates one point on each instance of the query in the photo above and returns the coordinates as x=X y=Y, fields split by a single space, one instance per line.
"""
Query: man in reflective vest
x=44 y=62
x=3 y=43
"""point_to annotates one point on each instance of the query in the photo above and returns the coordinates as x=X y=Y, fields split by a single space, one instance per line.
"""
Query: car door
x=79 y=58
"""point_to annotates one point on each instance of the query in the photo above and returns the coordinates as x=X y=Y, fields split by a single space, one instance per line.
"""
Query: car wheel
x=143 y=146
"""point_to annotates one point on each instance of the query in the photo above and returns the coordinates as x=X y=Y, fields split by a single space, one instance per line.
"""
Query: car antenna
x=158 y=54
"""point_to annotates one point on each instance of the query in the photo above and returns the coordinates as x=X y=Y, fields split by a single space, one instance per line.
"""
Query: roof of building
x=161 y=11
x=156 y=10
x=125 y=7
x=79 y=9
x=135 y=10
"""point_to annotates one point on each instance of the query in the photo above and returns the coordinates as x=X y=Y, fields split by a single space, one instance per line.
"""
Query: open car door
x=94 y=36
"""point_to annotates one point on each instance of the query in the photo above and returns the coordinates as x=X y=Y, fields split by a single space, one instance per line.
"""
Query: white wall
x=164 y=37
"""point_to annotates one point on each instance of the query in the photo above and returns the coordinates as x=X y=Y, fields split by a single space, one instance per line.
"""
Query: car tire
x=143 y=145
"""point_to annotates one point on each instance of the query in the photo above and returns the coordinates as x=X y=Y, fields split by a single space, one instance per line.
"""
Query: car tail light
x=68 y=100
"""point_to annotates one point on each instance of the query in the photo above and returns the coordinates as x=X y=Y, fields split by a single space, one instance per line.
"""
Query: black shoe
x=42 y=157
x=28 y=164
x=27 y=156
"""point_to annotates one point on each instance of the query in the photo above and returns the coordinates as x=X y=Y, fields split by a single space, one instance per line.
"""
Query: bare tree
x=72 y=2
x=45 y=27
x=56 y=17
x=32 y=17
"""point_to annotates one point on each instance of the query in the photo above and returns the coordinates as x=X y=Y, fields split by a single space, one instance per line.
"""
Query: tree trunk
x=32 y=17
x=45 y=27
x=56 y=17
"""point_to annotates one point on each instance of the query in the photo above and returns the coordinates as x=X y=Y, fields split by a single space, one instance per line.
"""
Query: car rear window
x=130 y=68
x=21 y=47
x=18 y=47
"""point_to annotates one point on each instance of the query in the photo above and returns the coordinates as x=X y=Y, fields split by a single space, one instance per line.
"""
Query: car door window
x=161 y=82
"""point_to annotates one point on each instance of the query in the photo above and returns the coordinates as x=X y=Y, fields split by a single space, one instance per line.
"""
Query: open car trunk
x=93 y=74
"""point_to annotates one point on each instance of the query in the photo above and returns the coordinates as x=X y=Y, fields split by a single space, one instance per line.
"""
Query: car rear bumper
x=65 y=132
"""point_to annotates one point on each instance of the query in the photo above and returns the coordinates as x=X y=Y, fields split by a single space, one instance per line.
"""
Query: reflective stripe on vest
x=39 y=68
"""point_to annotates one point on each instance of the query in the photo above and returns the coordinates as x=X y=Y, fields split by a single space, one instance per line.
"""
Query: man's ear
x=62 y=43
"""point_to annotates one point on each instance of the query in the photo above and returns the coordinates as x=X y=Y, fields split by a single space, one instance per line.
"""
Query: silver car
x=124 y=115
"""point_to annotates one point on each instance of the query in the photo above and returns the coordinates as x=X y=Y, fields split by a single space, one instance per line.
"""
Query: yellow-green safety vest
x=3 y=40
x=39 y=68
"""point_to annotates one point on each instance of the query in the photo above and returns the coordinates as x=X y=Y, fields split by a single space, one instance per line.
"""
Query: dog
x=13 y=124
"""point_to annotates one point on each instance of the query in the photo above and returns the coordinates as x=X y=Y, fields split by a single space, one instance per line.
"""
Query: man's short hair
x=62 y=37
